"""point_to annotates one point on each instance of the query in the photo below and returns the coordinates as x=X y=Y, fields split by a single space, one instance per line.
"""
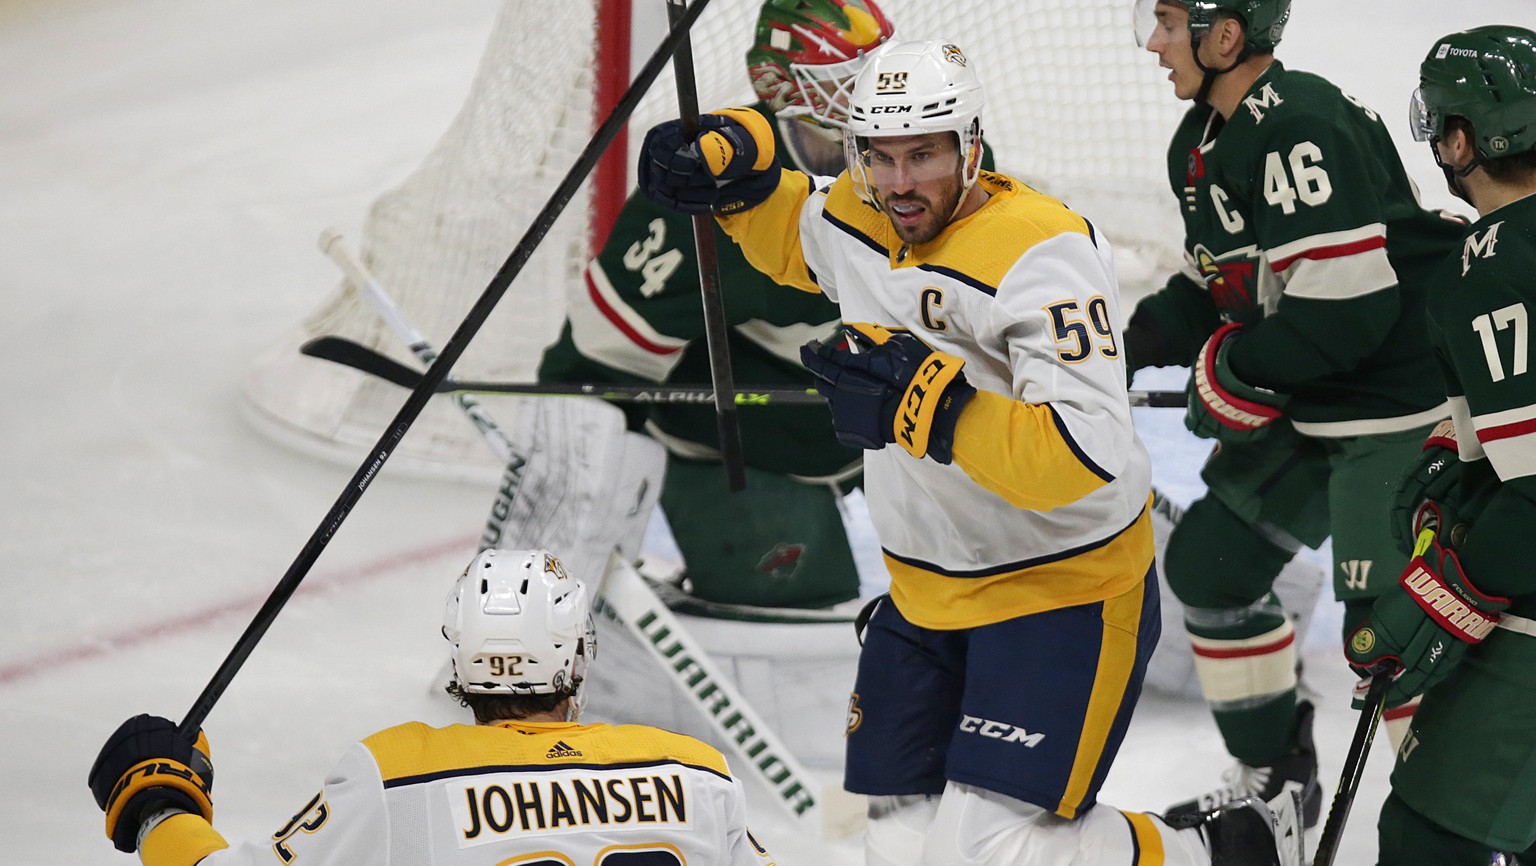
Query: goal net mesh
x=1073 y=108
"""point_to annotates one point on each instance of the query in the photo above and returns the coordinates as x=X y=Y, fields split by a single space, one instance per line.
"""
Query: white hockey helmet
x=914 y=88
x=519 y=624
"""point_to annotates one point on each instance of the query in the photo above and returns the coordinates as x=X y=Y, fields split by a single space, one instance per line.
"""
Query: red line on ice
x=190 y=621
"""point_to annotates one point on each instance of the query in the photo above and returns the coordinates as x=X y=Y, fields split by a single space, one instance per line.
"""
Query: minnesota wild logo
x=1363 y=641
x=1230 y=283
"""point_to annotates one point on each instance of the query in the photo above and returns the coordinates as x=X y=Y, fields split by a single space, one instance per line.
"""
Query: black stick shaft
x=357 y=356
x=727 y=422
x=435 y=376
x=1354 y=768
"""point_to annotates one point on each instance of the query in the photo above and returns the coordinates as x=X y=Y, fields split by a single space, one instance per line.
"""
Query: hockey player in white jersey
x=527 y=784
x=996 y=682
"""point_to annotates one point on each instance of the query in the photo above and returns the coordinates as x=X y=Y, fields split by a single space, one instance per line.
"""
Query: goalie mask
x=1488 y=76
x=519 y=624
x=914 y=88
x=802 y=63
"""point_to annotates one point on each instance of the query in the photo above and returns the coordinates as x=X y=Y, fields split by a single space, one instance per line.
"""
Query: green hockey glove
x=1221 y=406
x=1424 y=629
x=1428 y=492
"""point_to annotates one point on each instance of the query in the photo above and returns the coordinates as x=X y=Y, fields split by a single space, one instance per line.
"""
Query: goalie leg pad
x=584 y=487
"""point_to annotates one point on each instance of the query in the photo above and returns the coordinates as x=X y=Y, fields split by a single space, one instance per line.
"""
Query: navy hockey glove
x=144 y=767
x=895 y=389
x=1221 y=406
x=1424 y=629
x=729 y=167
x=1426 y=495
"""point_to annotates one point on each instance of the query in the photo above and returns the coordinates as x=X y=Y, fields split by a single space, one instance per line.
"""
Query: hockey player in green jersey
x=781 y=542
x=1300 y=312
x=1461 y=628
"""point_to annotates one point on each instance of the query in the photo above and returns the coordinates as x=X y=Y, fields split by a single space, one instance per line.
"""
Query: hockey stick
x=417 y=400
x=727 y=424
x=348 y=353
x=1354 y=768
x=635 y=604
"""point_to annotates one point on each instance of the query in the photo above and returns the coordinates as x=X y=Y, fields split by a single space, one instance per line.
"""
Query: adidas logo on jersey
x=562 y=750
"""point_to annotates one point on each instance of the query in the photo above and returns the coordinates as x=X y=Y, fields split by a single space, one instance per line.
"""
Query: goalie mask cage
x=1073 y=108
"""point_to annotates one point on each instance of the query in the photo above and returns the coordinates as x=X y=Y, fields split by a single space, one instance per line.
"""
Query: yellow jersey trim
x=1020 y=452
x=775 y=250
x=1149 y=842
x=181 y=840
x=415 y=749
x=1117 y=658
x=930 y=598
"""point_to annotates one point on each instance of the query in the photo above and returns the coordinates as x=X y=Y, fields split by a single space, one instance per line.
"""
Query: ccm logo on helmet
x=889 y=109
x=999 y=731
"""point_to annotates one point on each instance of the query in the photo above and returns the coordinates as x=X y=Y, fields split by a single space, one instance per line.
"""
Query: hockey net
x=1074 y=108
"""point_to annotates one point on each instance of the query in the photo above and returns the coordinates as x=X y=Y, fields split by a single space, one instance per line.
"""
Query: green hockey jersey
x=1301 y=223
x=1480 y=306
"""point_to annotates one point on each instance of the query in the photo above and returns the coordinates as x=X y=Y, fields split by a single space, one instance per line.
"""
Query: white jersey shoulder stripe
x=608 y=331
x=1340 y=279
x=1509 y=438
x=1329 y=245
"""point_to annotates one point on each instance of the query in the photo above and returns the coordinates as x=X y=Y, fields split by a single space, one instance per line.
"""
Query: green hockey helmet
x=1486 y=75
x=1263 y=20
x=806 y=53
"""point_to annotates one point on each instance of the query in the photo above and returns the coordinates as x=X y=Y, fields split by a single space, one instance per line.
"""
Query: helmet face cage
x=807 y=52
x=823 y=91
x=519 y=624
x=1486 y=75
x=914 y=88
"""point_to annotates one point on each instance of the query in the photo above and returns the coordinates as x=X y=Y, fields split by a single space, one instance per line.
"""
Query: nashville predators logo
x=553 y=566
x=1230 y=283
x=953 y=54
x=855 y=715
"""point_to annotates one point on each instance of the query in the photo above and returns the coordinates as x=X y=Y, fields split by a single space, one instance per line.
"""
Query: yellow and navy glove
x=1222 y=406
x=1426 y=496
x=1423 y=630
x=730 y=166
x=895 y=389
x=146 y=767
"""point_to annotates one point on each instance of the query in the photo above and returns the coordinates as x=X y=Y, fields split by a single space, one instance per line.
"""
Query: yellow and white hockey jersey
x=1045 y=504
x=535 y=794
